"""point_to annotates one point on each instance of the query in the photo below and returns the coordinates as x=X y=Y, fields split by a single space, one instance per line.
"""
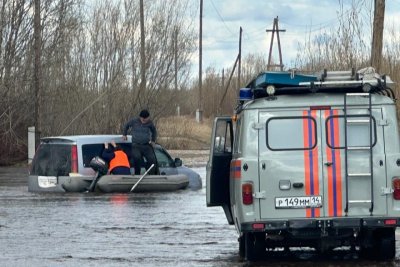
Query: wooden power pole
x=240 y=56
x=142 y=51
x=176 y=59
x=276 y=29
x=377 y=34
x=199 y=112
x=37 y=69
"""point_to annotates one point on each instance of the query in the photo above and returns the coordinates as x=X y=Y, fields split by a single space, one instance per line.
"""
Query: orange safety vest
x=120 y=160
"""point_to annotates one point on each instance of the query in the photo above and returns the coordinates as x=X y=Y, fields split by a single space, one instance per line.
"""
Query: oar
x=134 y=186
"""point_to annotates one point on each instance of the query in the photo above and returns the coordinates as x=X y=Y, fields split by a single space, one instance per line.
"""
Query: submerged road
x=152 y=229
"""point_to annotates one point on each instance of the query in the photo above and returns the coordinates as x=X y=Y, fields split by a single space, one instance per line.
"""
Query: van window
x=287 y=133
x=357 y=133
x=52 y=160
x=223 y=139
x=237 y=136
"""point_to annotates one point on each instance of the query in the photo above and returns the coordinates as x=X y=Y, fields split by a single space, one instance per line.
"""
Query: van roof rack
x=290 y=82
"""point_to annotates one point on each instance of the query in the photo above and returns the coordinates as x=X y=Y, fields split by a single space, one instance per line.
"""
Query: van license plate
x=298 y=202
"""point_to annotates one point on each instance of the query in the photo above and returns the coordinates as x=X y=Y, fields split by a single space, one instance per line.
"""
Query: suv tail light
x=247 y=194
x=396 y=188
x=74 y=159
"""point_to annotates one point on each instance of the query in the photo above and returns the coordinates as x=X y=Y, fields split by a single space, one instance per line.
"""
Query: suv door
x=165 y=162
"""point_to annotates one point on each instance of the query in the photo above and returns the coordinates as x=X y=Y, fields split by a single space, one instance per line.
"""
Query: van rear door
x=303 y=168
x=290 y=164
x=359 y=194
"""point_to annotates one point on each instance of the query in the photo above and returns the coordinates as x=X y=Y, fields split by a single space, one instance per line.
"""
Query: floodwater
x=152 y=229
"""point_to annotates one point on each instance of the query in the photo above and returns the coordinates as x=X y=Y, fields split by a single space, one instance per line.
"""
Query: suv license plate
x=298 y=202
x=47 y=181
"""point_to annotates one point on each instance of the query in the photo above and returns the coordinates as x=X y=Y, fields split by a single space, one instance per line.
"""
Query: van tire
x=254 y=246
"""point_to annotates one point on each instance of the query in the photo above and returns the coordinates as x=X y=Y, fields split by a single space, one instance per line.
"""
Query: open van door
x=218 y=166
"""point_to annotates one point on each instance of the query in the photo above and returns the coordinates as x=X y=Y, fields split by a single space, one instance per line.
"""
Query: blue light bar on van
x=245 y=94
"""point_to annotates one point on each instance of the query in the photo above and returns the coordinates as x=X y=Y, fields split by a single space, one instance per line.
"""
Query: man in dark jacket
x=144 y=135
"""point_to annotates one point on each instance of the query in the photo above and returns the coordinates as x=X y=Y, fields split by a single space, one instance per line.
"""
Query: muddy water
x=154 y=229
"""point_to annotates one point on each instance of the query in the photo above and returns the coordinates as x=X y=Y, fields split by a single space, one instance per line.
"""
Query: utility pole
x=240 y=56
x=199 y=112
x=142 y=52
x=176 y=57
x=37 y=69
x=223 y=78
x=176 y=67
x=377 y=34
x=219 y=108
x=276 y=29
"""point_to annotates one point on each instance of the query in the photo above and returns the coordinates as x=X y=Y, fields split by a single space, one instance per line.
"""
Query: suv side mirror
x=178 y=162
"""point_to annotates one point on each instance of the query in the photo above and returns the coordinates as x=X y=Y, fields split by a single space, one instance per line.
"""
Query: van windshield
x=52 y=160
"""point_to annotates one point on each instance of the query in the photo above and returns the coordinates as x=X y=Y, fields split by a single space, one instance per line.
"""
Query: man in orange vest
x=118 y=162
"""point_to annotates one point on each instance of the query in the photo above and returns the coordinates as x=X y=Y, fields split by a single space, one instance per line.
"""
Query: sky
x=222 y=20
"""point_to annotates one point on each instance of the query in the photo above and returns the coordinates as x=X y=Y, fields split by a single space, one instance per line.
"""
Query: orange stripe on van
x=310 y=161
x=235 y=170
x=306 y=158
x=334 y=171
x=315 y=167
x=338 y=168
x=329 y=169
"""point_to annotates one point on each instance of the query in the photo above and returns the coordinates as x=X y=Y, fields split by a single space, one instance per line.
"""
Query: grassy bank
x=184 y=133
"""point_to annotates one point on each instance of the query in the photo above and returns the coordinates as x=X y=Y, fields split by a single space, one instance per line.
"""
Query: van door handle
x=328 y=163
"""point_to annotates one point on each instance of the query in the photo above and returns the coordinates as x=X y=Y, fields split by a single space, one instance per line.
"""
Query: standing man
x=144 y=135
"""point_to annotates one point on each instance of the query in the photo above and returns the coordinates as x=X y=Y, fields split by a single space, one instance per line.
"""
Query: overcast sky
x=222 y=19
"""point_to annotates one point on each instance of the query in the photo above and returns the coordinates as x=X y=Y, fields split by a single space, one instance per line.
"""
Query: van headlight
x=270 y=90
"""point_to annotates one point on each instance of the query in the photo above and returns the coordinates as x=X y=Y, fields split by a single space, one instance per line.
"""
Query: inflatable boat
x=124 y=183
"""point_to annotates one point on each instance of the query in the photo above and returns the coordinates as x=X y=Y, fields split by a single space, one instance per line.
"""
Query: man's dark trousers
x=144 y=150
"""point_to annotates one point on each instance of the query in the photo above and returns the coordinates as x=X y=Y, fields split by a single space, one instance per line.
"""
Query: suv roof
x=83 y=138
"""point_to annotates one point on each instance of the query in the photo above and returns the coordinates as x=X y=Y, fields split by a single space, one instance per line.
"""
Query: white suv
x=59 y=158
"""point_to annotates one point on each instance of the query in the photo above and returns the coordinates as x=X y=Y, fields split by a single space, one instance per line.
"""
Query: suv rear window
x=52 y=160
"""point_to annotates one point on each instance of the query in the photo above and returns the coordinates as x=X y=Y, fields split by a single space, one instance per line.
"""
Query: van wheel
x=254 y=246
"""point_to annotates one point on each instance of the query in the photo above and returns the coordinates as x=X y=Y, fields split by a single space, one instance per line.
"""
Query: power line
x=222 y=19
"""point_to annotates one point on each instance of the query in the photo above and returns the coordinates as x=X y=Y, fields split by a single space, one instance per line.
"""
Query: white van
x=310 y=161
